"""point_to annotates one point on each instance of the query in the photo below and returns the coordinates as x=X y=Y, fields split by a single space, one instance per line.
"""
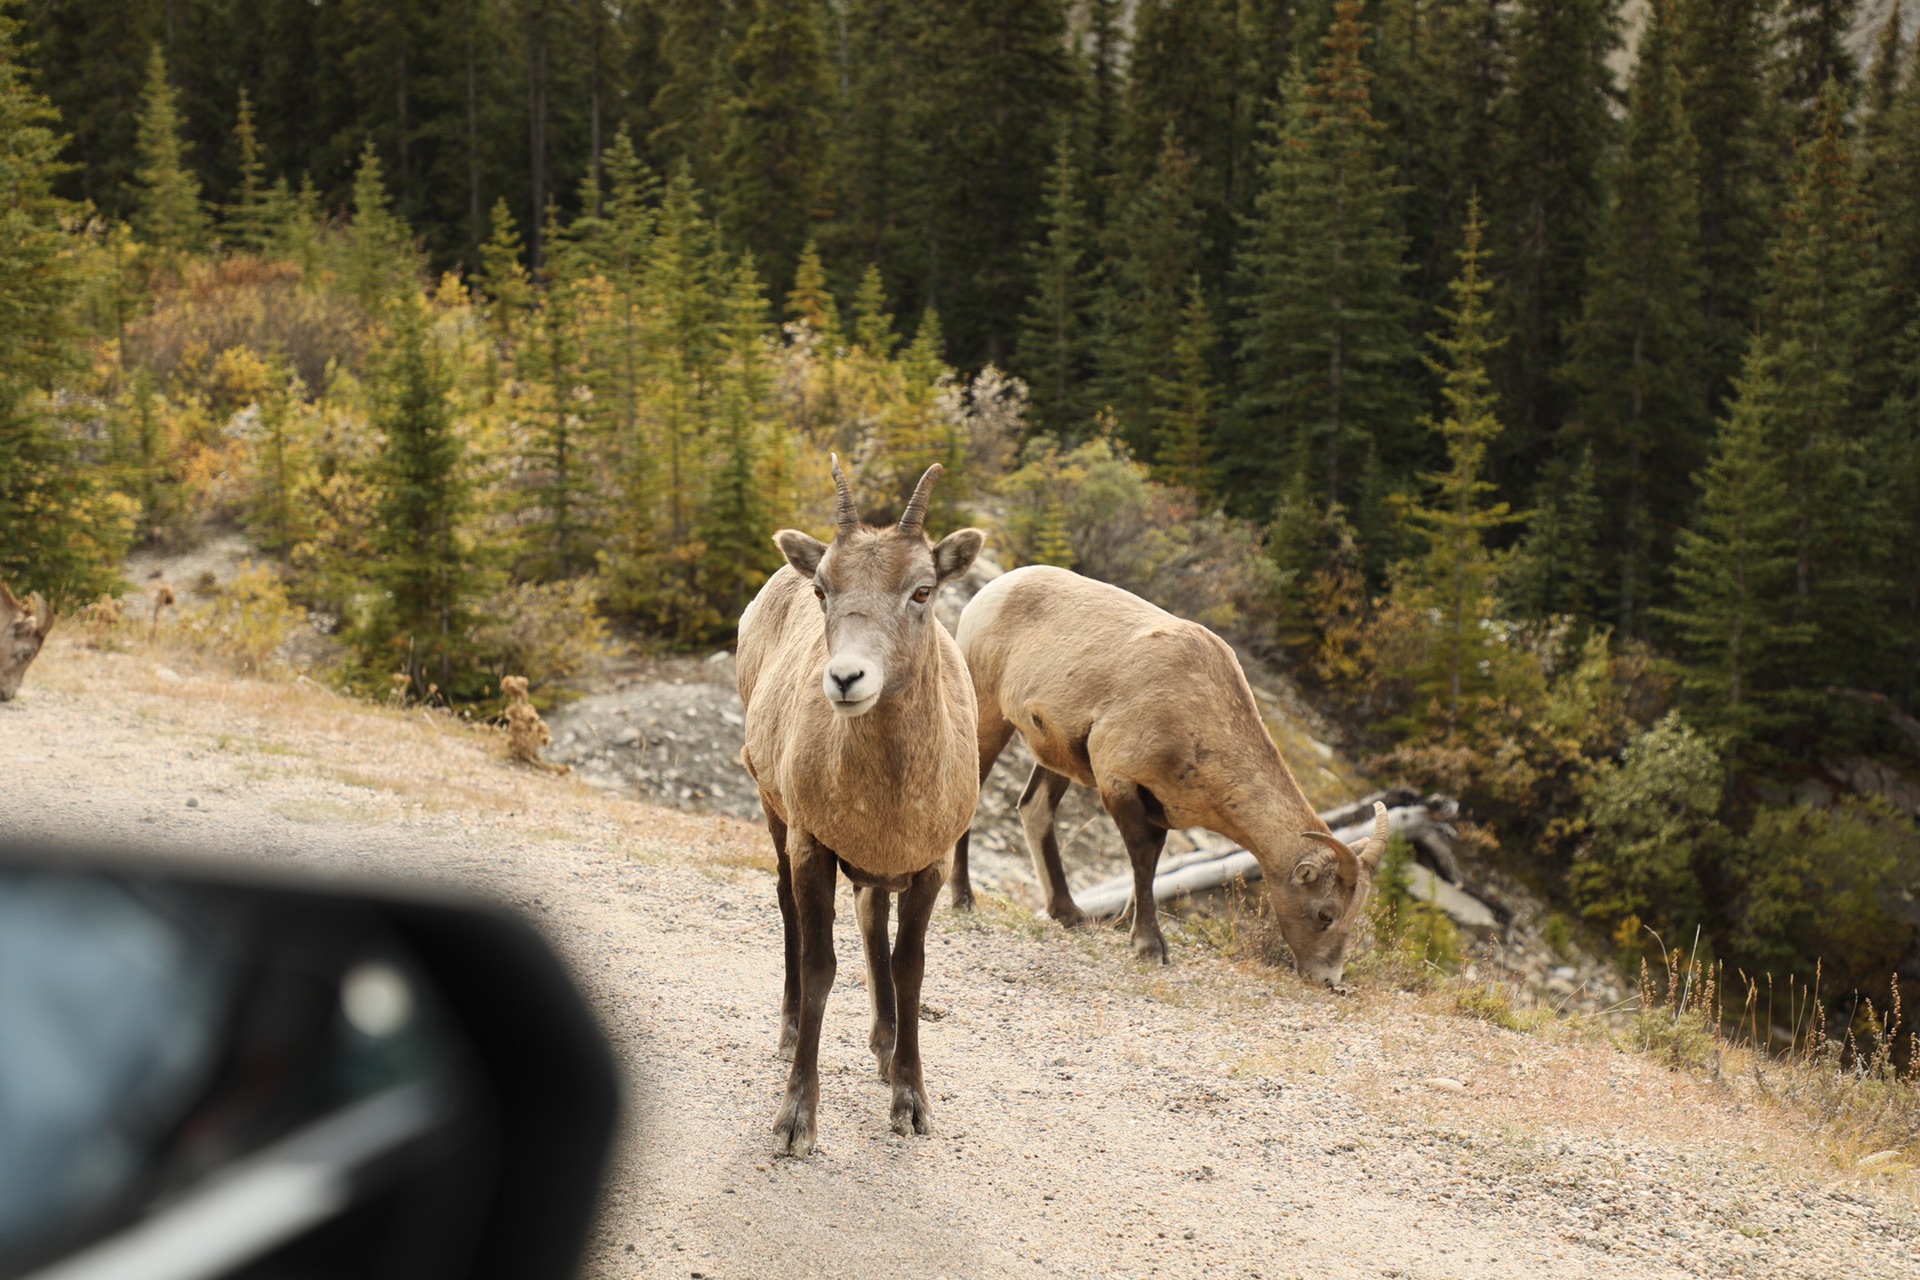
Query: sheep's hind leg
x=814 y=871
x=871 y=906
x=1144 y=840
x=912 y=1111
x=790 y=934
x=1039 y=805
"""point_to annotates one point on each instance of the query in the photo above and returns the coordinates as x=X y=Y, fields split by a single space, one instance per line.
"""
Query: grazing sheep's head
x=1322 y=901
x=876 y=587
x=23 y=629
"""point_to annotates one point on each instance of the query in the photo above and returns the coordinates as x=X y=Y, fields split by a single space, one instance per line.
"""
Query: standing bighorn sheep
x=23 y=629
x=1155 y=713
x=860 y=733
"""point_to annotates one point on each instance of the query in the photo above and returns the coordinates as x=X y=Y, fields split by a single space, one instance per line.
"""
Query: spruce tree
x=1556 y=125
x=380 y=259
x=1738 y=126
x=1638 y=348
x=1186 y=402
x=423 y=561
x=737 y=530
x=57 y=534
x=811 y=302
x=1555 y=570
x=773 y=160
x=561 y=532
x=245 y=224
x=1055 y=346
x=1154 y=248
x=503 y=276
x=1456 y=582
x=1822 y=287
x=1182 y=87
x=1813 y=51
x=1323 y=339
x=1735 y=568
x=169 y=215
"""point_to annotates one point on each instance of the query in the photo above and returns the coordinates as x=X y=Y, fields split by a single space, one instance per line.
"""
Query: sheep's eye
x=920 y=596
x=819 y=592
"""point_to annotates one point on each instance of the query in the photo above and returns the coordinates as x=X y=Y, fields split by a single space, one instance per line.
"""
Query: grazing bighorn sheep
x=860 y=733
x=23 y=630
x=1154 y=713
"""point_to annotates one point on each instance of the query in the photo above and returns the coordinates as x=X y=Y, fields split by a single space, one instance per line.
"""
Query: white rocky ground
x=1094 y=1118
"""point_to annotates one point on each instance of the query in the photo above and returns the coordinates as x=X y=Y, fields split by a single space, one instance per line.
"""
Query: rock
x=1879 y=1158
x=1461 y=907
x=1441 y=1084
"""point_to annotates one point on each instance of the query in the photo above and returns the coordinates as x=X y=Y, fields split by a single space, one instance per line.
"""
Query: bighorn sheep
x=1154 y=713
x=860 y=734
x=23 y=629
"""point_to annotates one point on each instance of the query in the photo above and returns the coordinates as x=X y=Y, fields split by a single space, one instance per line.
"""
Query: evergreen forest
x=1535 y=382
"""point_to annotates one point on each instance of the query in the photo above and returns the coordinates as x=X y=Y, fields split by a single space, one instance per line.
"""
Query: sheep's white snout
x=852 y=683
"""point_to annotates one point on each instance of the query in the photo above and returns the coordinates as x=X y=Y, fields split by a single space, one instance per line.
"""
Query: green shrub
x=246 y=623
x=545 y=631
x=1414 y=941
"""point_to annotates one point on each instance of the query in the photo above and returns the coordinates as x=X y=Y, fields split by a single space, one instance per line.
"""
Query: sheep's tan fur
x=527 y=733
x=860 y=732
x=23 y=629
x=1114 y=693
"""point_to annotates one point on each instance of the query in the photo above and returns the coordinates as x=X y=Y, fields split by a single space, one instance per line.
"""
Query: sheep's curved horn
x=1377 y=846
x=1350 y=864
x=42 y=613
x=916 y=513
x=846 y=515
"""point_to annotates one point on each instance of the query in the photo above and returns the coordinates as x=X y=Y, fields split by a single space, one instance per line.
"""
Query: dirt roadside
x=1093 y=1118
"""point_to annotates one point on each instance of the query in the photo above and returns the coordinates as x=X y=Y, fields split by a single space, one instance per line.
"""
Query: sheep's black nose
x=1326 y=917
x=847 y=682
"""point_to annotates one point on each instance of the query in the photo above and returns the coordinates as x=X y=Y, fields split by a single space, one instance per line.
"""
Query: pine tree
x=423 y=564
x=380 y=259
x=245 y=225
x=811 y=302
x=169 y=213
x=1555 y=128
x=1456 y=582
x=1054 y=353
x=1324 y=345
x=1154 y=248
x=1185 y=404
x=773 y=160
x=1103 y=53
x=737 y=531
x=1739 y=128
x=872 y=321
x=1735 y=568
x=57 y=533
x=561 y=533
x=1638 y=347
x=1891 y=144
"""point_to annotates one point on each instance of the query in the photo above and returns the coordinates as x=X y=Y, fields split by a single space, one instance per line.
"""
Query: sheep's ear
x=953 y=555
x=802 y=551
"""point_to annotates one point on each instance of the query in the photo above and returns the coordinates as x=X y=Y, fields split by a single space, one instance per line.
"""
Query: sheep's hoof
x=1068 y=916
x=962 y=899
x=793 y=1128
x=911 y=1111
x=789 y=1040
x=1149 y=947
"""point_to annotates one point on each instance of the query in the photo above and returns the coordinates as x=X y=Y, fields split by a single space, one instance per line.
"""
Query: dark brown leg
x=790 y=931
x=1038 y=805
x=814 y=870
x=995 y=733
x=1144 y=841
x=912 y=1110
x=871 y=907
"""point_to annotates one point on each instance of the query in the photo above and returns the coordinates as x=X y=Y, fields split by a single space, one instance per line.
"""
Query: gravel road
x=1093 y=1117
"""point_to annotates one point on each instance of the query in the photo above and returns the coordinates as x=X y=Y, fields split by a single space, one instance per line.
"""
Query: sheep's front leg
x=871 y=907
x=1144 y=841
x=813 y=881
x=912 y=1112
x=790 y=933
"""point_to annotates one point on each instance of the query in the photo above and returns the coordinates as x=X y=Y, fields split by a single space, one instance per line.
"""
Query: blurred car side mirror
x=209 y=1073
